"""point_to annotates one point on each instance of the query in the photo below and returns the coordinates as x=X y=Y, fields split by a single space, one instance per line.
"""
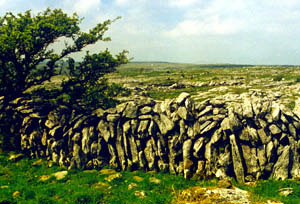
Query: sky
x=188 y=31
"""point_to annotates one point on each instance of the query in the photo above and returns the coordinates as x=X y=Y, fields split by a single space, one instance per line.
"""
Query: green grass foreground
x=91 y=186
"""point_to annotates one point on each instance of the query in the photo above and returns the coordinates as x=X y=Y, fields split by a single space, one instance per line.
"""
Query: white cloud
x=84 y=6
x=212 y=26
x=182 y=3
x=3 y=2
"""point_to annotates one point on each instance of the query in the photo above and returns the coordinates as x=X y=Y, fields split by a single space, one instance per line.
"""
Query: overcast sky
x=191 y=31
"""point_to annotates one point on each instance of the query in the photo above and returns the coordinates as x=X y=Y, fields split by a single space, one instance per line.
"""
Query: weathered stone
x=182 y=97
x=130 y=110
x=113 y=156
x=132 y=185
x=87 y=134
x=142 y=159
x=113 y=177
x=107 y=171
x=218 y=102
x=140 y=194
x=198 y=145
x=164 y=124
x=207 y=110
x=15 y=157
x=101 y=186
x=143 y=128
x=187 y=162
x=292 y=130
x=224 y=183
x=247 y=108
x=281 y=167
x=120 y=149
x=225 y=124
x=275 y=111
x=16 y=194
x=189 y=104
x=251 y=160
x=60 y=175
x=183 y=113
x=285 y=191
x=145 y=110
x=44 y=178
x=234 y=122
x=112 y=117
x=270 y=151
x=263 y=136
x=103 y=129
x=154 y=180
x=166 y=107
x=261 y=155
x=237 y=160
x=99 y=112
x=209 y=127
x=150 y=154
x=120 y=107
x=274 y=129
x=262 y=123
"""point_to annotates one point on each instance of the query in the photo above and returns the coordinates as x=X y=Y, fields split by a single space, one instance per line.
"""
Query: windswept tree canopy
x=25 y=42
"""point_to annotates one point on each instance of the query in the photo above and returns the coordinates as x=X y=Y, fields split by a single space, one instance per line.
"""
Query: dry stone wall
x=250 y=138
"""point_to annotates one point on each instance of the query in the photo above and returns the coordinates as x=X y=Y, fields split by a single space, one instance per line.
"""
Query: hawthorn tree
x=25 y=43
x=27 y=59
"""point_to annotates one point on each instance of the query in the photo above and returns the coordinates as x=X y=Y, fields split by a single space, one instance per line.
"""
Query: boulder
x=237 y=160
x=281 y=167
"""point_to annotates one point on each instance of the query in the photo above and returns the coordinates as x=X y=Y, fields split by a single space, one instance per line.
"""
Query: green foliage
x=278 y=78
x=27 y=60
x=86 y=88
x=24 y=43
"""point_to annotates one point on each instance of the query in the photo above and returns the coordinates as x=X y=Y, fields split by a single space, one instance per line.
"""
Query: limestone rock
x=15 y=157
x=281 y=168
x=140 y=194
x=154 y=180
x=285 y=191
x=164 y=124
x=107 y=171
x=237 y=160
x=130 y=110
x=183 y=113
x=274 y=129
x=187 y=145
x=60 y=175
x=263 y=136
x=112 y=177
x=150 y=154
x=182 y=97
x=251 y=160
x=247 y=108
x=275 y=111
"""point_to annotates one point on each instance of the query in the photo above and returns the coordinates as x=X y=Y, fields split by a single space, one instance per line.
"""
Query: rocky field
x=198 y=122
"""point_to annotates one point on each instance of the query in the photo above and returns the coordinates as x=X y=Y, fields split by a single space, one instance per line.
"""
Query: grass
x=268 y=190
x=173 y=93
x=81 y=186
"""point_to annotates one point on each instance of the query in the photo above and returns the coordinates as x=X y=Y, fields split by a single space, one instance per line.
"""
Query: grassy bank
x=32 y=181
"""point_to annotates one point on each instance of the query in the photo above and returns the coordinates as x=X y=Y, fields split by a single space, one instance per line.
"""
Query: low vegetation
x=21 y=181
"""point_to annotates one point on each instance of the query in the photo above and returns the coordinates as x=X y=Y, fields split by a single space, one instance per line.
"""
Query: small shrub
x=45 y=200
x=278 y=78
x=82 y=198
x=298 y=79
x=29 y=195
